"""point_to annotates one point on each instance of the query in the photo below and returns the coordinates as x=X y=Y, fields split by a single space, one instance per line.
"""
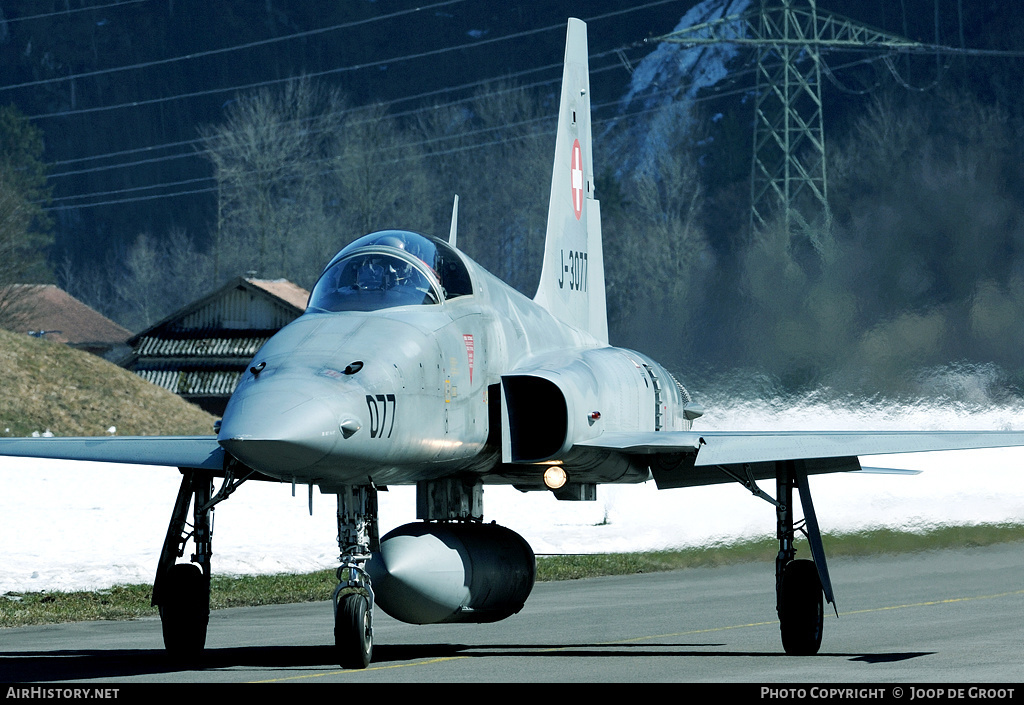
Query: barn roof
x=65 y=319
x=230 y=308
x=284 y=290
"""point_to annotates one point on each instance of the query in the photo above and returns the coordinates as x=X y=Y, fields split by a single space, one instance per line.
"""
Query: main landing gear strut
x=800 y=584
x=182 y=590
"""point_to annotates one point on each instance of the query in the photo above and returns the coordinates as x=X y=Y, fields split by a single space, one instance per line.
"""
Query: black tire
x=801 y=608
x=353 y=637
x=185 y=611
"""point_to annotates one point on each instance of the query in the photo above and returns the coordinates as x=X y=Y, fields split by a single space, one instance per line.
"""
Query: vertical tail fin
x=572 y=278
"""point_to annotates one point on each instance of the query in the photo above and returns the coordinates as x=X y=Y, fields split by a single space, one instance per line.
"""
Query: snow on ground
x=68 y=525
x=73 y=525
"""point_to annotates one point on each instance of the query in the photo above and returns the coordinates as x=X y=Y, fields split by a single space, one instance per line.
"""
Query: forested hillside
x=188 y=142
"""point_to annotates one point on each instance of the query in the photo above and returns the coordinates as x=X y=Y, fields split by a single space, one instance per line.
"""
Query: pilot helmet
x=392 y=241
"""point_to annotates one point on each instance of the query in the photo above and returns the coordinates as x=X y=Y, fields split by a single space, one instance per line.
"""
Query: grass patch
x=118 y=602
x=132 y=601
x=574 y=567
x=867 y=543
x=50 y=386
x=892 y=541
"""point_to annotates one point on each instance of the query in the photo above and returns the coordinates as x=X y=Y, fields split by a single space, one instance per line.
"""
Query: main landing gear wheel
x=185 y=611
x=353 y=635
x=801 y=609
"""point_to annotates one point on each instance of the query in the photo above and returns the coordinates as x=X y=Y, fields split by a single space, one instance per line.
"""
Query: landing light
x=555 y=477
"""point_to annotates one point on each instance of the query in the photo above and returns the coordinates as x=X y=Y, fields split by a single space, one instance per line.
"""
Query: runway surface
x=938 y=617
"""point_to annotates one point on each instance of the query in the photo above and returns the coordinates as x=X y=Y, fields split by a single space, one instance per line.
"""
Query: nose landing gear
x=353 y=600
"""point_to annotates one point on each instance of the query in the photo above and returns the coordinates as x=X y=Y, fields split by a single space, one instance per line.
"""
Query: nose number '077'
x=381 y=416
x=574 y=271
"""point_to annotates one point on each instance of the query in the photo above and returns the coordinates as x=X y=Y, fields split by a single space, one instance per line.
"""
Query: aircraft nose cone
x=280 y=429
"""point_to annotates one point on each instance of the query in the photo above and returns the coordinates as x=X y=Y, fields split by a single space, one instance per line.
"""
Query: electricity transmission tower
x=789 y=176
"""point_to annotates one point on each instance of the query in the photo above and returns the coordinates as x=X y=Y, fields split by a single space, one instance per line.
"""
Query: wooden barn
x=200 y=351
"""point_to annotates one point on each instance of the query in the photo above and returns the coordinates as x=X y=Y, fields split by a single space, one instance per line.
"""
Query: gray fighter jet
x=413 y=365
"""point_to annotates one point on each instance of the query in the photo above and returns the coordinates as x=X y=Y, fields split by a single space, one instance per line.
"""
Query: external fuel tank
x=428 y=573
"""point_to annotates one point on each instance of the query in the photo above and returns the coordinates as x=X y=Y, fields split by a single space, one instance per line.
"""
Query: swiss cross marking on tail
x=577 y=179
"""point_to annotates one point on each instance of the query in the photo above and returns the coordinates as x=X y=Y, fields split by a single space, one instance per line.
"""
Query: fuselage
x=408 y=392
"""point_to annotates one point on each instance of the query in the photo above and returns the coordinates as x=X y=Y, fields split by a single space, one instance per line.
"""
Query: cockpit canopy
x=390 y=268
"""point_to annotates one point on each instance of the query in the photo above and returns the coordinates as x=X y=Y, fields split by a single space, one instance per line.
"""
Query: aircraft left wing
x=693 y=454
x=200 y=452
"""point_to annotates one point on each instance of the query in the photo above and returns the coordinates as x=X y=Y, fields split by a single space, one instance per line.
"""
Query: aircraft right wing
x=690 y=458
x=200 y=452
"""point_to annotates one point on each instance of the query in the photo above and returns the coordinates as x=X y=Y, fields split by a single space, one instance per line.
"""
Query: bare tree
x=156 y=276
x=658 y=259
x=502 y=163
x=376 y=174
x=270 y=158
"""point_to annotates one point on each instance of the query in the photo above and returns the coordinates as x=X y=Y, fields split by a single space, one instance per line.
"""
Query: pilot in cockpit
x=400 y=273
x=370 y=275
x=375 y=278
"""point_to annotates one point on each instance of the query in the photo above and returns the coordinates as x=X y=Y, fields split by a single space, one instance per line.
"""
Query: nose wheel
x=353 y=631
x=182 y=590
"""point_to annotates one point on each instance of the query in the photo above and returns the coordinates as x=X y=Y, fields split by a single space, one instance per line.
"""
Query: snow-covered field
x=73 y=525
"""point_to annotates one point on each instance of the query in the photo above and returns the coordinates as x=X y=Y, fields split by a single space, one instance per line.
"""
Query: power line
x=196 y=142
x=59 y=202
x=407 y=113
x=718 y=94
x=341 y=69
x=504 y=139
x=126 y=165
x=391 y=116
x=71 y=11
x=133 y=189
x=261 y=84
x=193 y=143
x=357 y=122
x=224 y=50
